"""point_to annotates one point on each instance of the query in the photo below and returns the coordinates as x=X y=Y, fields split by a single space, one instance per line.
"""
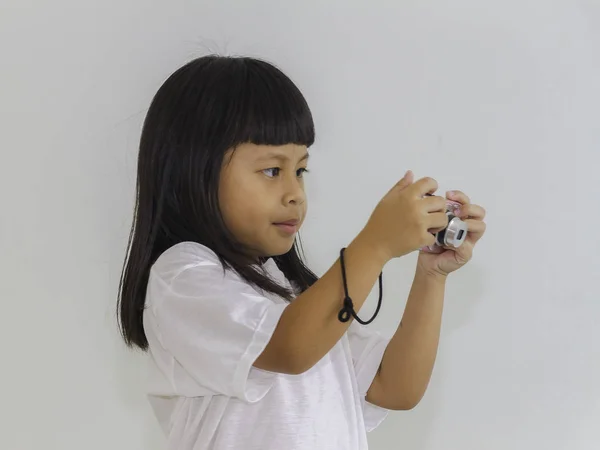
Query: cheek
x=229 y=204
x=242 y=207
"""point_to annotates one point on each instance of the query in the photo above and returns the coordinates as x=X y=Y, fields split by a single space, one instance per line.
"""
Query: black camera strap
x=347 y=310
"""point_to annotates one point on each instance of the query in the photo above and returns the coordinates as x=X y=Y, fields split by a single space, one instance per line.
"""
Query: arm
x=309 y=326
x=408 y=361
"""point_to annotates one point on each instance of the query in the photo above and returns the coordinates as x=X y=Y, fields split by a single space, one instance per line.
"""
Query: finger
x=428 y=240
x=424 y=186
x=472 y=211
x=406 y=180
x=434 y=203
x=435 y=230
x=438 y=220
x=465 y=252
x=458 y=196
x=476 y=229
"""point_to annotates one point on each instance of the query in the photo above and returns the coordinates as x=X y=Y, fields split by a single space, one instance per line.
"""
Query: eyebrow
x=281 y=157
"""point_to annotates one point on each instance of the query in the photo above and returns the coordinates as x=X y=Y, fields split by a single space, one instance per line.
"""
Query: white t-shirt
x=205 y=329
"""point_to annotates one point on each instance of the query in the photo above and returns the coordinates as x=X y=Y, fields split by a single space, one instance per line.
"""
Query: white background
x=497 y=98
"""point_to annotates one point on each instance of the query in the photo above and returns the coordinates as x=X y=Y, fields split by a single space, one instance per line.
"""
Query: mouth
x=288 y=227
x=293 y=222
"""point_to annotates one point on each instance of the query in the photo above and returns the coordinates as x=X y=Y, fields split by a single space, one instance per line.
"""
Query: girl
x=249 y=349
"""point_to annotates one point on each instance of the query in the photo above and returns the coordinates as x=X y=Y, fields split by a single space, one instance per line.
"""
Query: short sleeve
x=367 y=347
x=213 y=324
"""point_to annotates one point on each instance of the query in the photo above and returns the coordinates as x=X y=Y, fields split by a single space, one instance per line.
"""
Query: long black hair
x=206 y=107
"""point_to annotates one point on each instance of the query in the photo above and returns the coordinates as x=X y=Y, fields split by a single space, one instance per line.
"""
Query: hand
x=402 y=221
x=451 y=259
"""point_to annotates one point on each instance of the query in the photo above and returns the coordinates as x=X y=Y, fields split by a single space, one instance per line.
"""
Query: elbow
x=287 y=363
x=395 y=397
x=298 y=364
x=293 y=370
x=299 y=360
x=398 y=401
x=407 y=403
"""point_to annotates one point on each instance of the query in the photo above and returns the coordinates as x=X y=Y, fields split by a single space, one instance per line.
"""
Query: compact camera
x=454 y=234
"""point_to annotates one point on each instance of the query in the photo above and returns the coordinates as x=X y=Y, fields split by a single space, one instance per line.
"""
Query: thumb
x=406 y=180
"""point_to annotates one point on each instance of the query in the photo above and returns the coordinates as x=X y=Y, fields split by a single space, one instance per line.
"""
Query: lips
x=291 y=223
x=288 y=227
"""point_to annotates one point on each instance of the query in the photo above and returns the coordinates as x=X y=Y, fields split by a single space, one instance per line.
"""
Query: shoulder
x=184 y=256
x=190 y=269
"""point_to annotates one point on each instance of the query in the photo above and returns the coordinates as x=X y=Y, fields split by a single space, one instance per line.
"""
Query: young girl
x=248 y=349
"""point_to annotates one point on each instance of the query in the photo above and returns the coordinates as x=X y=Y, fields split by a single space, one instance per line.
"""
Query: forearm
x=309 y=327
x=409 y=358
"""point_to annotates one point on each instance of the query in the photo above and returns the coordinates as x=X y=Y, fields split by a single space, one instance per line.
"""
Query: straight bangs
x=268 y=108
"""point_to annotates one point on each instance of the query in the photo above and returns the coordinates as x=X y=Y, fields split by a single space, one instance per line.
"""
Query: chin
x=278 y=250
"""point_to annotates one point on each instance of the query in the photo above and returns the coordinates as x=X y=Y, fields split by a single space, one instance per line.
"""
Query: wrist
x=431 y=275
x=370 y=247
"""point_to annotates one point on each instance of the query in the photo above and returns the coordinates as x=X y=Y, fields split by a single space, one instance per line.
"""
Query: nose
x=294 y=192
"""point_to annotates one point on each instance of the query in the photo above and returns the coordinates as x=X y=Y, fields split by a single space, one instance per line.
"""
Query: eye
x=272 y=169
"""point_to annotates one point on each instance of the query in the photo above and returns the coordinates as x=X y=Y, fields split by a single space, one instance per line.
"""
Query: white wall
x=500 y=99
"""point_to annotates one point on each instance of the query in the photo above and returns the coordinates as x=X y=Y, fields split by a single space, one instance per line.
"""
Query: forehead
x=258 y=153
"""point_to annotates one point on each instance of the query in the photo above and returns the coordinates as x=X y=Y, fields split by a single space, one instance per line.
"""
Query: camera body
x=453 y=235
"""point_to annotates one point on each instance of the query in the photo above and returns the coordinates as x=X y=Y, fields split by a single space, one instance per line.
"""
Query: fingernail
x=450 y=193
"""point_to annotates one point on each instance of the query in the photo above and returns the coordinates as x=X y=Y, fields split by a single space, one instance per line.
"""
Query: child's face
x=260 y=187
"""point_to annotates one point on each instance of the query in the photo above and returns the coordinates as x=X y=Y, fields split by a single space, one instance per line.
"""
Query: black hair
x=205 y=108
